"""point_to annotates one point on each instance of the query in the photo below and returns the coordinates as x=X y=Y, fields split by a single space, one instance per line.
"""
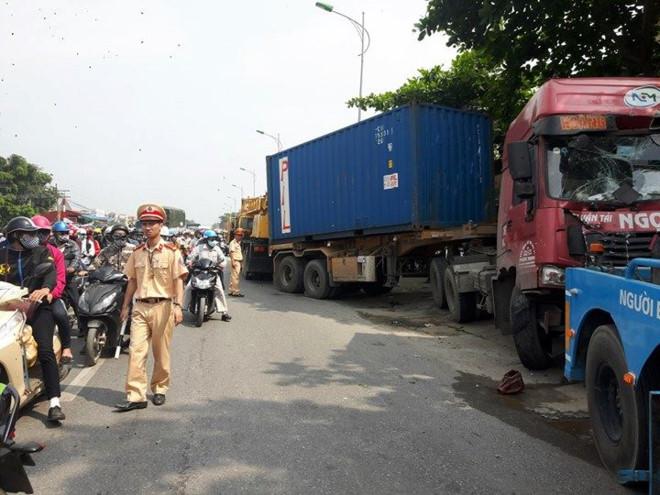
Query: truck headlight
x=552 y=276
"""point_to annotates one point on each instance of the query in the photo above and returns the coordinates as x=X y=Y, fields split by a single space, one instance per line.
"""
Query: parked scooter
x=203 y=280
x=13 y=456
x=99 y=312
x=19 y=365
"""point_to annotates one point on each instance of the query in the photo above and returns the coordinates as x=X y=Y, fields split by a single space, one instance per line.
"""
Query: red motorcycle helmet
x=42 y=222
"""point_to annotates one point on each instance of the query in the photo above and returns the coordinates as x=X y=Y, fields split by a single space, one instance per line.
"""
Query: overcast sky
x=131 y=101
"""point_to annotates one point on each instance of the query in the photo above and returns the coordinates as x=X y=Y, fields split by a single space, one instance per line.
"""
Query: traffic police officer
x=155 y=272
x=236 y=257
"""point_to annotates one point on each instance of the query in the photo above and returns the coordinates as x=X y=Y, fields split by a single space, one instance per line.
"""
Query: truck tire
x=247 y=275
x=289 y=275
x=437 y=280
x=462 y=306
x=533 y=345
x=618 y=412
x=317 y=280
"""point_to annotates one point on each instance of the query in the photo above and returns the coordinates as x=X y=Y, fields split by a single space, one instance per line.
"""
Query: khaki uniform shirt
x=155 y=270
x=235 y=252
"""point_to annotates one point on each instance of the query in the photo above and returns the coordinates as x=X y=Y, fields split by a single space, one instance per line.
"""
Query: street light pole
x=254 y=180
x=361 y=32
x=275 y=138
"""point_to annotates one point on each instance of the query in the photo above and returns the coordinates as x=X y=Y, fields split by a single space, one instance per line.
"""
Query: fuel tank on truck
x=415 y=167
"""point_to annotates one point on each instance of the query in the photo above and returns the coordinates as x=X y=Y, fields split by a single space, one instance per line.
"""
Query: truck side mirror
x=520 y=166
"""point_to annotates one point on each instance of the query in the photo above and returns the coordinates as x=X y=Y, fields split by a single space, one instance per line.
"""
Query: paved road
x=303 y=396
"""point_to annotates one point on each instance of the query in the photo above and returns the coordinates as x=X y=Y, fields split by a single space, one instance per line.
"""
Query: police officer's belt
x=153 y=300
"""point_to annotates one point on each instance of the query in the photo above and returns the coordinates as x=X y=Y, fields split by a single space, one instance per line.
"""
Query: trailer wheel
x=618 y=412
x=533 y=345
x=247 y=275
x=289 y=274
x=437 y=278
x=317 y=280
x=462 y=306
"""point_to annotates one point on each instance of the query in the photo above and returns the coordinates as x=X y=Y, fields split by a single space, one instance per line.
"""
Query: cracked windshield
x=593 y=168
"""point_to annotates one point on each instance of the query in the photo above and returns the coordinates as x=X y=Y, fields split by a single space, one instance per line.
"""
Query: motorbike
x=203 y=280
x=13 y=456
x=99 y=312
x=19 y=365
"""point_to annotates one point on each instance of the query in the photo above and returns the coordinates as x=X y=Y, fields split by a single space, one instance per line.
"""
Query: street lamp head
x=260 y=132
x=325 y=6
x=243 y=169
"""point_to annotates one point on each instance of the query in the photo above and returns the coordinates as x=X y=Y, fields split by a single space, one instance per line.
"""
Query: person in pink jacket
x=60 y=313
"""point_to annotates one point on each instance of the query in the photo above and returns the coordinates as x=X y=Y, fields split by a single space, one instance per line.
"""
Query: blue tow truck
x=613 y=345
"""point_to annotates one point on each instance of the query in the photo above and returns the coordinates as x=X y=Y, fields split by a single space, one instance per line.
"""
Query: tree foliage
x=472 y=82
x=558 y=38
x=25 y=189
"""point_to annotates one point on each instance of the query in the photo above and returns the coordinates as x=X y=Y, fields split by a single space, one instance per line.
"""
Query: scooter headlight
x=9 y=326
x=200 y=283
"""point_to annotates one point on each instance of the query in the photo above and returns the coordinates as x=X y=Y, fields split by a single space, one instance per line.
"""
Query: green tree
x=558 y=38
x=25 y=189
x=472 y=82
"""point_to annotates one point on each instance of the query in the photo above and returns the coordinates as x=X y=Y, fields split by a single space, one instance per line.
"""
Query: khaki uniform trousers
x=234 y=281
x=155 y=323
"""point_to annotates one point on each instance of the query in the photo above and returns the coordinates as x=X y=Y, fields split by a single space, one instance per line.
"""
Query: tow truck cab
x=581 y=166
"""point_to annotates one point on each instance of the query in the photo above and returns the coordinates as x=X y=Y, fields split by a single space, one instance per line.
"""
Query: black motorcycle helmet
x=19 y=224
x=118 y=235
x=118 y=227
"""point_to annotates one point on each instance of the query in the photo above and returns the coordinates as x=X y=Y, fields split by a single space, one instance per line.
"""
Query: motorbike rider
x=25 y=263
x=117 y=252
x=87 y=248
x=60 y=313
x=71 y=253
x=209 y=249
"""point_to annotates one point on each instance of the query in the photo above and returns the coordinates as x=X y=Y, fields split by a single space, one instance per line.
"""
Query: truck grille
x=620 y=248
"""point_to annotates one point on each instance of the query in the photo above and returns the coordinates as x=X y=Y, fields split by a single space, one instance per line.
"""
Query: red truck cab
x=581 y=169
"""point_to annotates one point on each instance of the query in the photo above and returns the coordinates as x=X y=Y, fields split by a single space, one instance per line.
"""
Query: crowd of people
x=155 y=262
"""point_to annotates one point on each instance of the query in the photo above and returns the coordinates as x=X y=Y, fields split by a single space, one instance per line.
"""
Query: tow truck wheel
x=317 y=280
x=533 y=345
x=618 y=411
x=462 y=306
x=289 y=274
x=437 y=279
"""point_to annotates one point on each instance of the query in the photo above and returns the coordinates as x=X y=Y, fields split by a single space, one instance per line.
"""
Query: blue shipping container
x=414 y=167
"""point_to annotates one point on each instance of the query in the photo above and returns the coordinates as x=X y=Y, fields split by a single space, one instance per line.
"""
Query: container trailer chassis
x=322 y=268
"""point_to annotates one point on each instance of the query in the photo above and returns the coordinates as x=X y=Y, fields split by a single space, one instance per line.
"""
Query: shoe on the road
x=226 y=317
x=129 y=406
x=158 y=399
x=237 y=295
x=55 y=414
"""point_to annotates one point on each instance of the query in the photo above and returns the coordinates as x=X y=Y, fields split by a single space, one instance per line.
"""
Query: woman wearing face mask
x=60 y=313
x=20 y=257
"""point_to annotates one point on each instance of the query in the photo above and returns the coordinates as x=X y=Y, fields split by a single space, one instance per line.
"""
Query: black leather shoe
x=158 y=399
x=226 y=317
x=56 y=414
x=129 y=406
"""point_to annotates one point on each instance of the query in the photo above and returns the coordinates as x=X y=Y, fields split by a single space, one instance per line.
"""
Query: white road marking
x=72 y=390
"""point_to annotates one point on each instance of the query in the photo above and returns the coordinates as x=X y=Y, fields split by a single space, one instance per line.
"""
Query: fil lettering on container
x=390 y=181
x=285 y=210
